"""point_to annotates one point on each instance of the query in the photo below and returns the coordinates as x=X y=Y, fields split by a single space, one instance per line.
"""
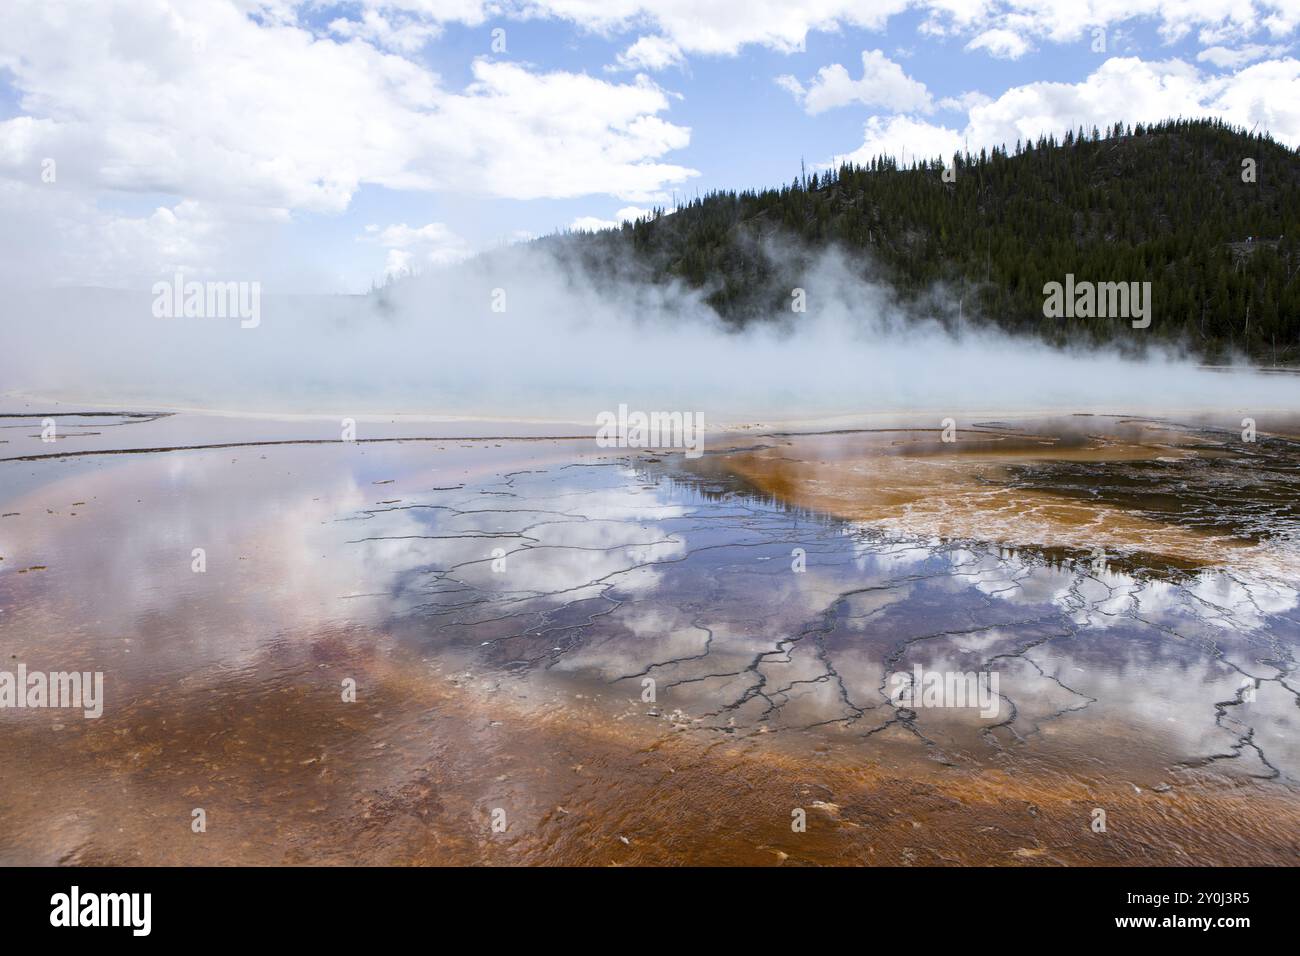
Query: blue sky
x=320 y=147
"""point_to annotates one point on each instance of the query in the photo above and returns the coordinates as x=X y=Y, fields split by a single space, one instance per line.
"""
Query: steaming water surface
x=501 y=604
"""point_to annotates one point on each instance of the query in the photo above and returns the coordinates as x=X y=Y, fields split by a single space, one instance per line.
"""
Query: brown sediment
x=411 y=773
x=479 y=692
x=910 y=481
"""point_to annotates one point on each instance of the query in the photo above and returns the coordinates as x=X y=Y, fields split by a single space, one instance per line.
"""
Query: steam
x=573 y=342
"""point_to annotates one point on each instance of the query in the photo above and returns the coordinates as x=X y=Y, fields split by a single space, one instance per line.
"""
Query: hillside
x=1165 y=203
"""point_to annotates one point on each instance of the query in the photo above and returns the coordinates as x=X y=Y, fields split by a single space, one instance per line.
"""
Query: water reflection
x=555 y=574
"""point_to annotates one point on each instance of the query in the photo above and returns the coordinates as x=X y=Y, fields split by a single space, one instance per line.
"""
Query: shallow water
x=507 y=607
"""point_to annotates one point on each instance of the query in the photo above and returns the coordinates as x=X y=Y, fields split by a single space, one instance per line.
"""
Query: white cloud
x=965 y=102
x=1224 y=57
x=650 y=53
x=591 y=224
x=723 y=27
x=792 y=86
x=595 y=223
x=432 y=12
x=558 y=135
x=55 y=235
x=1136 y=90
x=1003 y=44
x=904 y=138
x=404 y=35
x=1060 y=21
x=207 y=108
x=408 y=247
x=1122 y=88
x=883 y=85
x=632 y=213
x=1266 y=93
x=278 y=117
x=180 y=125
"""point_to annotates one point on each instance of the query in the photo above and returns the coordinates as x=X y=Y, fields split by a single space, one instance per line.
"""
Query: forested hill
x=1164 y=203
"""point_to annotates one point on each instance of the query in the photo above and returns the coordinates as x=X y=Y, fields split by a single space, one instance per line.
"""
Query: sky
x=320 y=147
